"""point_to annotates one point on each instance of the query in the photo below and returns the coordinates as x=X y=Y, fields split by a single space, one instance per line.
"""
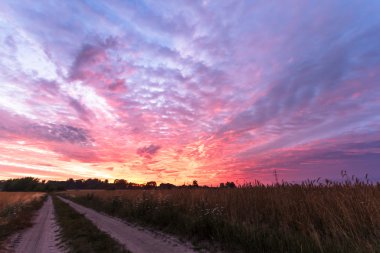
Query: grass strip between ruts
x=80 y=234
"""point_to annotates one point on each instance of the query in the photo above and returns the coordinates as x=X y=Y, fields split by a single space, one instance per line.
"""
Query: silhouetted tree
x=79 y=184
x=230 y=185
x=2 y=182
x=120 y=184
x=23 y=184
x=166 y=186
x=227 y=185
x=151 y=184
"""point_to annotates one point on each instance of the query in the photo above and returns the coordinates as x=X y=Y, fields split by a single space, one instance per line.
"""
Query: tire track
x=134 y=239
x=42 y=236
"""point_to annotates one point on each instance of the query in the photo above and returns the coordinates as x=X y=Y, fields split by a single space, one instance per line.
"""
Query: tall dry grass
x=8 y=199
x=16 y=211
x=333 y=217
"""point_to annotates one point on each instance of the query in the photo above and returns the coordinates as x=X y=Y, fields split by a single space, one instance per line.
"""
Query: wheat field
x=335 y=217
x=12 y=198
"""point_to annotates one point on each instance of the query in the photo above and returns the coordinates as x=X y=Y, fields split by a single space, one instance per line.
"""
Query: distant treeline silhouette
x=35 y=184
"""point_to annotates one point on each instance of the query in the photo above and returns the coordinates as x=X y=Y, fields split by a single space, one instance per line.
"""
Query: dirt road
x=137 y=240
x=41 y=237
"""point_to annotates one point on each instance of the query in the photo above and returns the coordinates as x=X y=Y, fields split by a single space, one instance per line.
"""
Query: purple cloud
x=233 y=84
x=148 y=151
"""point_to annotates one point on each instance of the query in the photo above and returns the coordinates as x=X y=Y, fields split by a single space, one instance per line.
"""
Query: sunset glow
x=175 y=91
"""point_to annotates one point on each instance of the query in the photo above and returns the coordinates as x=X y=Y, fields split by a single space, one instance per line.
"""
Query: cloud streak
x=148 y=151
x=189 y=89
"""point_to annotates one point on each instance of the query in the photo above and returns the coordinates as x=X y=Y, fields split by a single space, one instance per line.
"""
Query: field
x=8 y=199
x=16 y=211
x=308 y=217
x=333 y=217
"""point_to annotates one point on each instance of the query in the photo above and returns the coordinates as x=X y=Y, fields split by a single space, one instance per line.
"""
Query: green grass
x=333 y=217
x=80 y=235
x=17 y=217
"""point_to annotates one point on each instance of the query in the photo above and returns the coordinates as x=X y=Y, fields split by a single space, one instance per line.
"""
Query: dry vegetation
x=329 y=217
x=8 y=199
x=16 y=211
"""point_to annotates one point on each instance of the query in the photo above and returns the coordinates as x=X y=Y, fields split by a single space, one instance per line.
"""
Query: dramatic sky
x=174 y=91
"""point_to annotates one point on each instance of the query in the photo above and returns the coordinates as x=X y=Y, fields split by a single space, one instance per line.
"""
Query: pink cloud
x=190 y=90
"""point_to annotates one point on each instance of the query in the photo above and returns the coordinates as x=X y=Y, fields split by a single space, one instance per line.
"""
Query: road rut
x=41 y=237
x=134 y=239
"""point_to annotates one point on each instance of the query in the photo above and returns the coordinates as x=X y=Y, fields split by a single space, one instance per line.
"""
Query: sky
x=175 y=91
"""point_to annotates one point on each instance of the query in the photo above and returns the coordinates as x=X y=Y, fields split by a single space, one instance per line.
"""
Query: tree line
x=35 y=184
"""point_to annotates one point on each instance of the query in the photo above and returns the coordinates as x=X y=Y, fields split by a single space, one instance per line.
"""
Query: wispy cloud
x=188 y=90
